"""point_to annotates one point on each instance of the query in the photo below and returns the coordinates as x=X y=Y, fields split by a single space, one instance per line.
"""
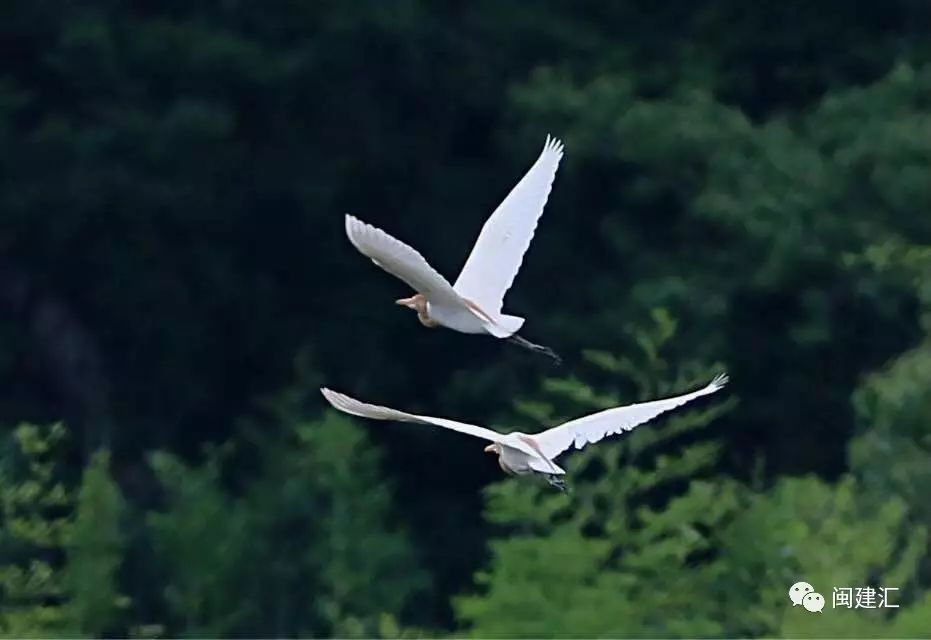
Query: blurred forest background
x=746 y=187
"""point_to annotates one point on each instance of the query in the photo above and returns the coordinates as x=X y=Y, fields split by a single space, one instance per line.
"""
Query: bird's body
x=515 y=462
x=458 y=317
x=473 y=304
x=524 y=454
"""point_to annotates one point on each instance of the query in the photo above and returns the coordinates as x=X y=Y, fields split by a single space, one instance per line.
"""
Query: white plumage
x=376 y=412
x=490 y=269
x=401 y=261
x=597 y=426
x=474 y=303
x=522 y=453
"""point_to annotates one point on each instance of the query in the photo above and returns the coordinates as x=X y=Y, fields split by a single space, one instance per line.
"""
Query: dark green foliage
x=631 y=552
x=310 y=548
x=893 y=404
x=334 y=551
x=608 y=559
x=35 y=522
x=60 y=551
x=202 y=541
x=746 y=227
x=94 y=552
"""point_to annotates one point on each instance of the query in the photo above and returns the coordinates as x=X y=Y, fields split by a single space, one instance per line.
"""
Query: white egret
x=473 y=304
x=523 y=453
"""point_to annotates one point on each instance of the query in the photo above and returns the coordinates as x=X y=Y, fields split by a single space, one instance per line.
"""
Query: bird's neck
x=426 y=320
x=420 y=306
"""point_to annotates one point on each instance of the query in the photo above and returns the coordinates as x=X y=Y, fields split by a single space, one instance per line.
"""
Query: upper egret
x=473 y=304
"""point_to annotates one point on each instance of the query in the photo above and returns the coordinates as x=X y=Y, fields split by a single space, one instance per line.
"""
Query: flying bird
x=523 y=453
x=473 y=304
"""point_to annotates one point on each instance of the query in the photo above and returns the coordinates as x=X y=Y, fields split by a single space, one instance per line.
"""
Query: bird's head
x=493 y=448
x=416 y=302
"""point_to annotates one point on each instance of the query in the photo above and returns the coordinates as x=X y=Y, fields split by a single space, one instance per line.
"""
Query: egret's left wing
x=400 y=260
x=497 y=255
x=597 y=426
x=355 y=407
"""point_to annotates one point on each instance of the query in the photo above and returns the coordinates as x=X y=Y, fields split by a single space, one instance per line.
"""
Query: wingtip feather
x=352 y=224
x=329 y=395
x=340 y=401
x=553 y=145
x=719 y=381
x=359 y=233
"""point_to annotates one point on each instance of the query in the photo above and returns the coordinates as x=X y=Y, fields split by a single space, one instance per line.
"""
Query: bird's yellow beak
x=406 y=302
x=490 y=448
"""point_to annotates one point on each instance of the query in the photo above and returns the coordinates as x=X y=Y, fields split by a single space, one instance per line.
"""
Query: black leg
x=558 y=482
x=539 y=348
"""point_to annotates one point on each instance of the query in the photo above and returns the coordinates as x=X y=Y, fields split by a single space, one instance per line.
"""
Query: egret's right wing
x=400 y=260
x=354 y=407
x=595 y=427
x=499 y=251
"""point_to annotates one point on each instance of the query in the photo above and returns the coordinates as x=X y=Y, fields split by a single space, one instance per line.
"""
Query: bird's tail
x=505 y=326
x=511 y=324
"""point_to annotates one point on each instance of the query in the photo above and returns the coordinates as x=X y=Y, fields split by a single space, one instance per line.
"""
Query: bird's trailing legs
x=558 y=482
x=539 y=348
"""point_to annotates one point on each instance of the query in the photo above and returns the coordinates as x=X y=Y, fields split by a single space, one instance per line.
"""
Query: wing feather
x=354 y=407
x=400 y=260
x=499 y=251
x=595 y=427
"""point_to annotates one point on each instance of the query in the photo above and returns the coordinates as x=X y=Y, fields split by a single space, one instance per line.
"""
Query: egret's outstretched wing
x=593 y=428
x=352 y=406
x=497 y=255
x=399 y=260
